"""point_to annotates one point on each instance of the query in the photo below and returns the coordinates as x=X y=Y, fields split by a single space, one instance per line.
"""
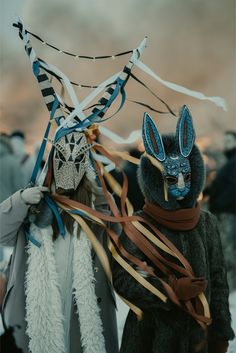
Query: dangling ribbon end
x=17 y=21
x=138 y=51
x=221 y=102
x=145 y=41
x=62 y=233
x=142 y=45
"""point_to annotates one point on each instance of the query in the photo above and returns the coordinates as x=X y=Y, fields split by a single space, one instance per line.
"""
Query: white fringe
x=92 y=338
x=43 y=302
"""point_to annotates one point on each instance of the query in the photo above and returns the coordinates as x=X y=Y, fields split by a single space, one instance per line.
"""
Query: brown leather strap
x=166 y=241
x=141 y=264
x=137 y=238
x=108 y=197
x=170 y=245
x=123 y=197
x=202 y=320
x=145 y=246
x=125 y=253
x=141 y=242
x=150 y=251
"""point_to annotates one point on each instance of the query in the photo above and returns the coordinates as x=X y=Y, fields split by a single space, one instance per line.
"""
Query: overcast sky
x=190 y=42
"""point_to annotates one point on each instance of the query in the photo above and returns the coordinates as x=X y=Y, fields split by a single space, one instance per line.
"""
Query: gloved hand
x=187 y=288
x=32 y=196
x=218 y=346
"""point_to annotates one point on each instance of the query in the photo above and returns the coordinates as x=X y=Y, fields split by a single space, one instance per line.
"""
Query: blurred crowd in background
x=219 y=194
x=16 y=168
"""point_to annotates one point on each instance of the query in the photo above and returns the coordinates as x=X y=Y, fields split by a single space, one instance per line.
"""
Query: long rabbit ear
x=185 y=133
x=152 y=140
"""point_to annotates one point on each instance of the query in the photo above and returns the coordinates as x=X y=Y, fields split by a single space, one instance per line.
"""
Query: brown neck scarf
x=182 y=219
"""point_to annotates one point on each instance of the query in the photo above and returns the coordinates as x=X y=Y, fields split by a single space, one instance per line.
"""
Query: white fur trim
x=92 y=338
x=43 y=302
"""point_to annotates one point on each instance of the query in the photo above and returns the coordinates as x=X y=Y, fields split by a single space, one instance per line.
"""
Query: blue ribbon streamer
x=36 y=68
x=55 y=210
x=80 y=213
x=92 y=118
x=30 y=237
x=123 y=98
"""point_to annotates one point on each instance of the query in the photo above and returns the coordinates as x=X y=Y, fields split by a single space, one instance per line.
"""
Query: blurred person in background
x=26 y=160
x=222 y=202
x=134 y=193
x=11 y=176
x=11 y=179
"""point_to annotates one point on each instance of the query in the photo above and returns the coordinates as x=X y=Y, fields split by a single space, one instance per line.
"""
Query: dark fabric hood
x=151 y=181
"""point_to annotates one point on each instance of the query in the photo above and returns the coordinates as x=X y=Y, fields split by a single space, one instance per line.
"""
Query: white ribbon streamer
x=133 y=136
x=100 y=158
x=70 y=91
x=80 y=106
x=66 y=81
x=138 y=51
x=219 y=101
x=97 y=90
x=134 y=58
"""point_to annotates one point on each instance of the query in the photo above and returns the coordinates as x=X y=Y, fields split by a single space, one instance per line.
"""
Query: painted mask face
x=71 y=159
x=177 y=174
x=174 y=166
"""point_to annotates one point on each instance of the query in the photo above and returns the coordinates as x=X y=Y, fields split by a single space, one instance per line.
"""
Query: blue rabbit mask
x=177 y=175
x=177 y=157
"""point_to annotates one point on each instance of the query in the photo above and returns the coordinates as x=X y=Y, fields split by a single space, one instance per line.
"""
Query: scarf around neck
x=182 y=219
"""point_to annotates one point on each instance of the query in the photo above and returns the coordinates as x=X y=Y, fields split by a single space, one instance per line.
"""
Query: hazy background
x=190 y=42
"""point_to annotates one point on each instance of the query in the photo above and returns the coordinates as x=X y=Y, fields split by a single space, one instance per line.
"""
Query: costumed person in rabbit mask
x=171 y=176
x=58 y=298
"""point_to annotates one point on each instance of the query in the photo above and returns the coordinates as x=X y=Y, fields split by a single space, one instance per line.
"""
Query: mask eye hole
x=187 y=177
x=79 y=158
x=171 y=180
x=61 y=156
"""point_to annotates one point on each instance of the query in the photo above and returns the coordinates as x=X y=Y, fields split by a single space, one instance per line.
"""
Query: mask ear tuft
x=185 y=133
x=152 y=140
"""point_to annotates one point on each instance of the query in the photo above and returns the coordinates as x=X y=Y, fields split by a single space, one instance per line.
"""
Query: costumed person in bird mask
x=171 y=176
x=58 y=298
